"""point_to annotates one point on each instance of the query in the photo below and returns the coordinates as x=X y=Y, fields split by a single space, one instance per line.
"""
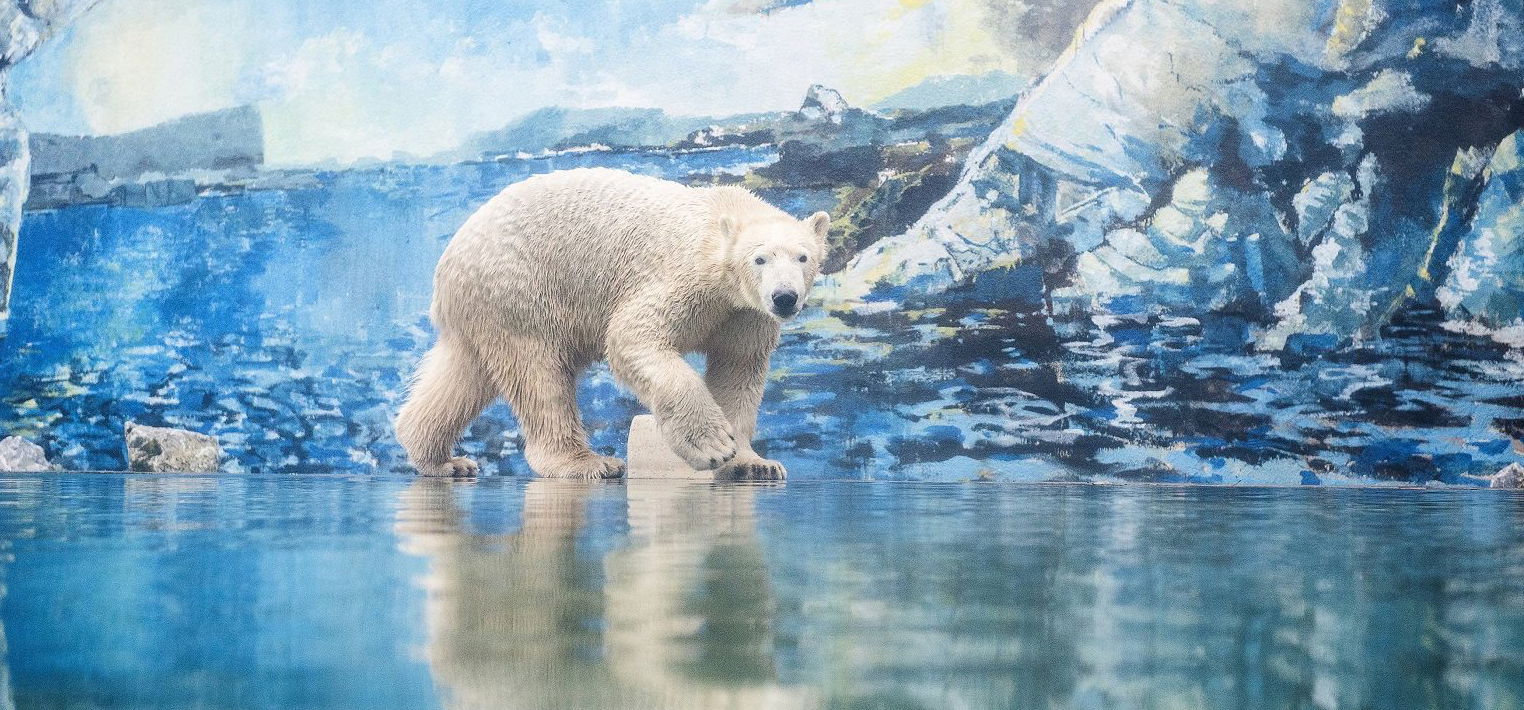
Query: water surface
x=378 y=592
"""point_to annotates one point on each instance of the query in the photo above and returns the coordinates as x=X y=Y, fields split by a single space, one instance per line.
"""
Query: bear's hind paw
x=589 y=467
x=757 y=469
x=457 y=467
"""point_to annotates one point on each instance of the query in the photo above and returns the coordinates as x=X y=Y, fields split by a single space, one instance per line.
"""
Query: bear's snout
x=785 y=303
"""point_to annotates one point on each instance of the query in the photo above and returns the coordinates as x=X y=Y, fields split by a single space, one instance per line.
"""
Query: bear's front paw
x=751 y=469
x=456 y=467
x=705 y=445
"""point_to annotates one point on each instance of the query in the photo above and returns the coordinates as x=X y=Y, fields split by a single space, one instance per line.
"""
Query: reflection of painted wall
x=1276 y=242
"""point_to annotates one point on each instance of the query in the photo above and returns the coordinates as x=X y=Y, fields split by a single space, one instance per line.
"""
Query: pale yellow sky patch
x=347 y=92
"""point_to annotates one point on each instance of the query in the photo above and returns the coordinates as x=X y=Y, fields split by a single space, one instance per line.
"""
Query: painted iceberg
x=1253 y=158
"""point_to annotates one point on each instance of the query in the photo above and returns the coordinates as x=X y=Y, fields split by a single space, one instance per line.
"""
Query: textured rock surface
x=13 y=186
x=1308 y=164
x=23 y=25
x=822 y=103
x=1512 y=476
x=163 y=450
x=18 y=454
x=131 y=168
x=1486 y=273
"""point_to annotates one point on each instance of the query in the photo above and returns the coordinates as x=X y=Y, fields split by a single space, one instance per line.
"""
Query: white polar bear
x=565 y=269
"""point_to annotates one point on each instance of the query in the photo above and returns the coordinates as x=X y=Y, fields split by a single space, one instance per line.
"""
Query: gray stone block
x=153 y=449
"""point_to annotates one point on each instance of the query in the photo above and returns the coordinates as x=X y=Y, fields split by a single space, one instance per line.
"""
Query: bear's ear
x=820 y=223
x=728 y=229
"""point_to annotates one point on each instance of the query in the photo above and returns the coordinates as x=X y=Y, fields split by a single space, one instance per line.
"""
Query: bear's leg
x=543 y=394
x=736 y=374
x=448 y=391
x=691 y=422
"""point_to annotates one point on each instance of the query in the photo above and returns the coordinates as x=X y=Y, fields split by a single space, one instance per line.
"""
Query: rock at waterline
x=153 y=449
x=18 y=454
x=1512 y=476
x=648 y=456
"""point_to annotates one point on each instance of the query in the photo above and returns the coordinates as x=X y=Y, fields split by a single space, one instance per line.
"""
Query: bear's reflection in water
x=679 y=615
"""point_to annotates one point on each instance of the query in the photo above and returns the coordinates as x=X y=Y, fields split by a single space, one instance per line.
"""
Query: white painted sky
x=349 y=79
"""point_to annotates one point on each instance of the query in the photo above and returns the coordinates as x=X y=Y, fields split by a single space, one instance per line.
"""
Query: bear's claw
x=455 y=467
x=756 y=469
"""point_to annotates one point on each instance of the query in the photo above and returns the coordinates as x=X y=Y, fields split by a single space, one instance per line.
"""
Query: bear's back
x=595 y=215
x=560 y=251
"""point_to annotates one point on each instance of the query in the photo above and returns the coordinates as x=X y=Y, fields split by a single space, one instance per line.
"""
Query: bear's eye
x=760 y=260
x=803 y=258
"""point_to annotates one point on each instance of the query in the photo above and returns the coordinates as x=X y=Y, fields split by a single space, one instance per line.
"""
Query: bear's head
x=775 y=260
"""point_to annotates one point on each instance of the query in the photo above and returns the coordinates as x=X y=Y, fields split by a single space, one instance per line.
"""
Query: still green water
x=373 y=592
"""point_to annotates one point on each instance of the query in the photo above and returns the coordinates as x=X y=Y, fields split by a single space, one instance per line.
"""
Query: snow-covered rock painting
x=1313 y=164
x=1180 y=240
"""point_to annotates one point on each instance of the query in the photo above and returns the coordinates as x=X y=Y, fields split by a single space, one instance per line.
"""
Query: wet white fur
x=562 y=270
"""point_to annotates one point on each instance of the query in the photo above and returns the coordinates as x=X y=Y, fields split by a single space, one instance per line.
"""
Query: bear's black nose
x=784 y=302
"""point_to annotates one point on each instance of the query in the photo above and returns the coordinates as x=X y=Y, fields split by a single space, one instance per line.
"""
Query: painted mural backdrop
x=1142 y=240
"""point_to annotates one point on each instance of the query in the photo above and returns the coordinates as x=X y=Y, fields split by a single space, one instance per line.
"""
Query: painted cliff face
x=26 y=26
x=1278 y=242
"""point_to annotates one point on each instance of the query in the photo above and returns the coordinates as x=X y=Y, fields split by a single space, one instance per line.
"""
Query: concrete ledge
x=647 y=455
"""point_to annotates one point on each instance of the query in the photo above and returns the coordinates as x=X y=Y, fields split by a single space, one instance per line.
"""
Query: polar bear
x=561 y=270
